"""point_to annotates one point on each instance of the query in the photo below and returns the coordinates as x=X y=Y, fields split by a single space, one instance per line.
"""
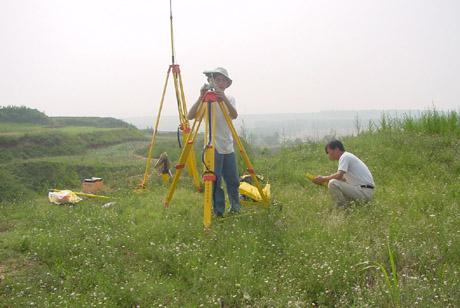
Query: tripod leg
x=181 y=88
x=191 y=164
x=243 y=153
x=181 y=107
x=179 y=96
x=143 y=184
x=184 y=156
x=209 y=176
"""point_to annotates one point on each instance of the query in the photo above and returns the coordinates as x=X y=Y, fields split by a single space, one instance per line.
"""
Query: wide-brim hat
x=219 y=70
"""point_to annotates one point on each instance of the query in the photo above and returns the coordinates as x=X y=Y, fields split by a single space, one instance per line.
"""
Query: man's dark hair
x=334 y=144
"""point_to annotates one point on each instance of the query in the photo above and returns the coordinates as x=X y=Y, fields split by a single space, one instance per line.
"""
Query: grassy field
x=34 y=158
x=402 y=249
x=15 y=129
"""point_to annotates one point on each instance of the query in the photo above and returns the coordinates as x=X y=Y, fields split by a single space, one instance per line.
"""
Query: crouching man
x=352 y=182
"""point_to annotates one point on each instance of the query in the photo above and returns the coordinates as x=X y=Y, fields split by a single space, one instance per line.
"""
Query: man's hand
x=319 y=180
x=203 y=90
x=221 y=95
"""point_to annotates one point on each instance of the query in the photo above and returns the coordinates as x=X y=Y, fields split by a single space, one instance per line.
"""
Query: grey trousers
x=342 y=193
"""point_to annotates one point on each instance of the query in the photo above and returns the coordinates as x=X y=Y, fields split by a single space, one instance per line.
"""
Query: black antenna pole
x=172 y=32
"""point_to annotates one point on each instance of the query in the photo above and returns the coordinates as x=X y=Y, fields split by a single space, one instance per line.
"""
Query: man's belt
x=367 y=186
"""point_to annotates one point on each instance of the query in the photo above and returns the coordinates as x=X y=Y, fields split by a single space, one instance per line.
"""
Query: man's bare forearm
x=326 y=178
x=192 y=113
x=231 y=110
x=335 y=176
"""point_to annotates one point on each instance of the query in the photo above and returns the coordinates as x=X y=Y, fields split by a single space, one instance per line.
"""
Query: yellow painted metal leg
x=192 y=166
x=207 y=209
x=184 y=105
x=243 y=153
x=184 y=156
x=181 y=106
x=176 y=74
x=143 y=184
x=209 y=176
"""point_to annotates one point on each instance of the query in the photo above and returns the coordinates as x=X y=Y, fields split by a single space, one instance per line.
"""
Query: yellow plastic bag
x=252 y=192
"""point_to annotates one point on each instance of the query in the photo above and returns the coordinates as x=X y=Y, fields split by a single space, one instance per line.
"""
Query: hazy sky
x=109 y=57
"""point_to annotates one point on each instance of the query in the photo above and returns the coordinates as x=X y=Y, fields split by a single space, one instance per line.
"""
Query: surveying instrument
x=207 y=111
x=184 y=126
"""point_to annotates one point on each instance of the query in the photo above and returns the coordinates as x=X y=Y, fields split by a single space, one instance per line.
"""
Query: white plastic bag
x=63 y=196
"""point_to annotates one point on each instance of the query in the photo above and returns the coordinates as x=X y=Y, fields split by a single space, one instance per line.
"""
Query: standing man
x=224 y=159
x=352 y=182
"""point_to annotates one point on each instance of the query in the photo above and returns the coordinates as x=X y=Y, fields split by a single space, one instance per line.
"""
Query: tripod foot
x=166 y=205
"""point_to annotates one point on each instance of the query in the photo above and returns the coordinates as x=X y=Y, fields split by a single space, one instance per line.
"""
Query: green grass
x=117 y=164
x=19 y=128
x=428 y=122
x=16 y=129
x=299 y=252
x=64 y=141
x=166 y=142
x=61 y=157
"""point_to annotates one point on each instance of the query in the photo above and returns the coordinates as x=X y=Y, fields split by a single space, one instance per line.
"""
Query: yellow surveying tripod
x=184 y=125
x=207 y=111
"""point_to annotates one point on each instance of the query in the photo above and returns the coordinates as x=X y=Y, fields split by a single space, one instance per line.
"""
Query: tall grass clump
x=433 y=122
x=390 y=277
x=387 y=123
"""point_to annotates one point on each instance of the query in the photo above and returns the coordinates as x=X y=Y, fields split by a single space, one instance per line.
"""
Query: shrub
x=22 y=114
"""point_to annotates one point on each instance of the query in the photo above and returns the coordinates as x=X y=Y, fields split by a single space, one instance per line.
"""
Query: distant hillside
x=91 y=121
x=36 y=157
x=62 y=141
x=23 y=114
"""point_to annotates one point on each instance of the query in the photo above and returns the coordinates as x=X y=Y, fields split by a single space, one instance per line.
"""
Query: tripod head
x=210 y=97
x=211 y=85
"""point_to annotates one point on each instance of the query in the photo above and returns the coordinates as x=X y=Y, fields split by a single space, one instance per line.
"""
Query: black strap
x=178 y=136
x=206 y=147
